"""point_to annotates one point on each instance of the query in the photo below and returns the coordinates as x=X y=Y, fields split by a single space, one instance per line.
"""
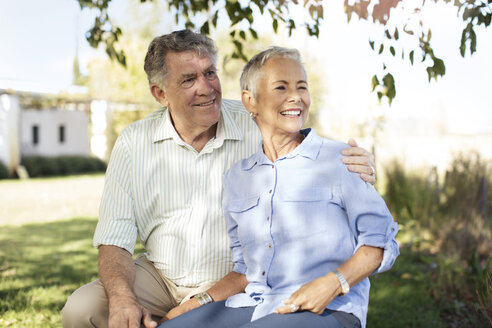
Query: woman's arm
x=317 y=294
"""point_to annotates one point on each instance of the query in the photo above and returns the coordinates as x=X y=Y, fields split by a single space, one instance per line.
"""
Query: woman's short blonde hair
x=252 y=70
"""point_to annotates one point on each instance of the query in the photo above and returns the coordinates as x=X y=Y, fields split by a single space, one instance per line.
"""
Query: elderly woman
x=305 y=233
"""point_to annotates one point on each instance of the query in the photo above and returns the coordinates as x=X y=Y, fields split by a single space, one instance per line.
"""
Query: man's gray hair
x=252 y=71
x=179 y=41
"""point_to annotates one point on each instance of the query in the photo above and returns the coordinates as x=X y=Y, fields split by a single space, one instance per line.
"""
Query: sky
x=38 y=42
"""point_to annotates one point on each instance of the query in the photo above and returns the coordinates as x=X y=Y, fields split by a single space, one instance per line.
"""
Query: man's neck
x=197 y=137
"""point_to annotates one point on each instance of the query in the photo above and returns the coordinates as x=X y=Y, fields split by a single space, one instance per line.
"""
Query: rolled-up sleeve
x=369 y=218
x=116 y=225
x=235 y=245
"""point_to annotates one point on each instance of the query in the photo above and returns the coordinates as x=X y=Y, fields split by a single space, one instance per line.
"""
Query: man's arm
x=117 y=273
x=231 y=284
x=360 y=161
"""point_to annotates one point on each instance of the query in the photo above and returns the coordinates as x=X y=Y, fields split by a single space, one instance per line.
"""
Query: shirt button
x=269 y=245
x=273 y=167
x=268 y=218
x=270 y=191
x=263 y=273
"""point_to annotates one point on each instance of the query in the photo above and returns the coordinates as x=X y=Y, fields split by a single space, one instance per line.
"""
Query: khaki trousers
x=88 y=305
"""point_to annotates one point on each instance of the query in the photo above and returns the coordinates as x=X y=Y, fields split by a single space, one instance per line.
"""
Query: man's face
x=192 y=91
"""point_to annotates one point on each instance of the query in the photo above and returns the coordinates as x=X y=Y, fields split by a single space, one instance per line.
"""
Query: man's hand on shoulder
x=127 y=312
x=189 y=305
x=360 y=161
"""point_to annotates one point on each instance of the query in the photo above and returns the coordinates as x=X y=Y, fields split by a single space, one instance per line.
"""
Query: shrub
x=4 y=172
x=38 y=166
x=451 y=219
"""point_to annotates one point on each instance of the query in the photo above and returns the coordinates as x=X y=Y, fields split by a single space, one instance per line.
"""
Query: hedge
x=4 y=172
x=40 y=166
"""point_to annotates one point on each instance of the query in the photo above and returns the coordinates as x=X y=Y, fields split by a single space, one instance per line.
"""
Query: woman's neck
x=275 y=146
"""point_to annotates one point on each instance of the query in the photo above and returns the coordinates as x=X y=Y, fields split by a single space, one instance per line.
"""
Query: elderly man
x=163 y=184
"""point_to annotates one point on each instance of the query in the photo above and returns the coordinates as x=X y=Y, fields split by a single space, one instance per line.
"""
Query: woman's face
x=282 y=101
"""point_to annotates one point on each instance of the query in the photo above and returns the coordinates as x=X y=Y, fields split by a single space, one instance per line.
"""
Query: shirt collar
x=227 y=128
x=309 y=148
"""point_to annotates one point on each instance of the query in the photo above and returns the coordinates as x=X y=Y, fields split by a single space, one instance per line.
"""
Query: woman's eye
x=280 y=87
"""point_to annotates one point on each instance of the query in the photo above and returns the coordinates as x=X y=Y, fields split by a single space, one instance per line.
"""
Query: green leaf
x=215 y=18
x=374 y=82
x=473 y=41
x=410 y=32
x=205 y=29
x=396 y=35
x=392 y=50
x=390 y=90
x=429 y=73
x=380 y=95
x=275 y=25
x=381 y=48
x=253 y=33
x=371 y=43
x=292 y=26
x=411 y=56
x=387 y=33
x=242 y=34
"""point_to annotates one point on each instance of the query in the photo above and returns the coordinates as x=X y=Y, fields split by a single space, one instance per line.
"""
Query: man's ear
x=249 y=101
x=159 y=94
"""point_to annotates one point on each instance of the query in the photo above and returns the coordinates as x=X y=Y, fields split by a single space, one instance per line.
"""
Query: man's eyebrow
x=186 y=75
x=211 y=67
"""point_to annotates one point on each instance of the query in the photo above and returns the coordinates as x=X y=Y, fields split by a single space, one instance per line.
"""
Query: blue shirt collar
x=309 y=148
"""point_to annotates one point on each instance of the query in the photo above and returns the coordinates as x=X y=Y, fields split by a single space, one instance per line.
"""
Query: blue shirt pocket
x=246 y=213
x=306 y=212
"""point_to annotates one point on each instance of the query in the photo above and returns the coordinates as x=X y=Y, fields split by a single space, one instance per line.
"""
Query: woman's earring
x=252 y=115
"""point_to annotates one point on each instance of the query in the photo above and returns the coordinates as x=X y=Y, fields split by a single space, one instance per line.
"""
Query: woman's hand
x=313 y=296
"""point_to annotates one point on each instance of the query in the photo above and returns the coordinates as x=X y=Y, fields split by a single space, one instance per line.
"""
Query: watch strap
x=203 y=298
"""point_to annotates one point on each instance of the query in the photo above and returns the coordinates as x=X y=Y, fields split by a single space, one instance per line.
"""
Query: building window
x=35 y=134
x=61 y=133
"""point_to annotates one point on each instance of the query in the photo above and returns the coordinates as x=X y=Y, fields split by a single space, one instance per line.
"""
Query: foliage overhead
x=388 y=15
x=204 y=16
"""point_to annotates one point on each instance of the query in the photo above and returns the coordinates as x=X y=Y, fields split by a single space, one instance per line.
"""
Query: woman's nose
x=294 y=96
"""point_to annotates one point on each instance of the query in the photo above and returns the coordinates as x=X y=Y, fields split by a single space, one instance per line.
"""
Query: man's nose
x=204 y=87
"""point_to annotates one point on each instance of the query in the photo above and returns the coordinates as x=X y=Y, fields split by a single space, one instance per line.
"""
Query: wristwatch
x=343 y=283
x=203 y=298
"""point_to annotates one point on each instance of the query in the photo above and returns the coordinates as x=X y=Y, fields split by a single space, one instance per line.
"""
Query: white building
x=54 y=132
x=41 y=132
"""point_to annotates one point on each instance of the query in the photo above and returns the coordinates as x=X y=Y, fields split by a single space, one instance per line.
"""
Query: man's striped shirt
x=162 y=189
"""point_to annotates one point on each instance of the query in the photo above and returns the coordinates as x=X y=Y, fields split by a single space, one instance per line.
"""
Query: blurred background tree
x=394 y=21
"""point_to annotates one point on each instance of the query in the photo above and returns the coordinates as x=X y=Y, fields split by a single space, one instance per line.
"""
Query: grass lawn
x=41 y=264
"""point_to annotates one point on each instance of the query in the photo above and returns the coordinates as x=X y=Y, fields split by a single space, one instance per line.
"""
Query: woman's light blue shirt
x=298 y=219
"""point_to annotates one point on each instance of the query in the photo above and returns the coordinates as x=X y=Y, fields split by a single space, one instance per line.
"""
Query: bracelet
x=343 y=283
x=203 y=298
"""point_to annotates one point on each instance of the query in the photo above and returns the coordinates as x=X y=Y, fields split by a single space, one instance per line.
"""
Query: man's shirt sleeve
x=116 y=225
